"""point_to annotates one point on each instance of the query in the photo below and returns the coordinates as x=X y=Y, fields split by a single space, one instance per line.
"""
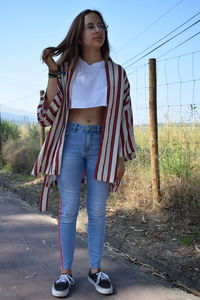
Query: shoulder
x=116 y=67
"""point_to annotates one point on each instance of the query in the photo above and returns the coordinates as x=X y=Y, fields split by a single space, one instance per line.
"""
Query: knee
x=97 y=215
x=68 y=217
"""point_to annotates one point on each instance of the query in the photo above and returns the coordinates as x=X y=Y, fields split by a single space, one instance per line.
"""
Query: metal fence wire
x=176 y=129
x=168 y=151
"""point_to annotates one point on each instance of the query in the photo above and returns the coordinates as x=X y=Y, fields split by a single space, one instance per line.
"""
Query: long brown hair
x=70 y=49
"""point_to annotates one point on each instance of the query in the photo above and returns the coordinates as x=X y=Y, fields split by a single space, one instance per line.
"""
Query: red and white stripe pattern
x=117 y=134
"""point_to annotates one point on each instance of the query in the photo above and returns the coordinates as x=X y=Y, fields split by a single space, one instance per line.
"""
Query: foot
x=62 y=285
x=101 y=281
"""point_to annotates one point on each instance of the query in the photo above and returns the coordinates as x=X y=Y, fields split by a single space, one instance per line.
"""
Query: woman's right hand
x=49 y=61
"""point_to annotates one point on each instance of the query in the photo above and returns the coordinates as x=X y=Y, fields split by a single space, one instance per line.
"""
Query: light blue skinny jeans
x=80 y=153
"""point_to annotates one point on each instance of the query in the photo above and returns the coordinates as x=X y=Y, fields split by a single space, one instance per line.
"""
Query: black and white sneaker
x=62 y=285
x=101 y=281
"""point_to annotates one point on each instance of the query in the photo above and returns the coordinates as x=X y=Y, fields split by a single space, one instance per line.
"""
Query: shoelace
x=64 y=278
x=102 y=276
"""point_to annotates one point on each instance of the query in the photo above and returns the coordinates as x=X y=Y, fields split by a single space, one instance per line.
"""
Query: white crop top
x=90 y=85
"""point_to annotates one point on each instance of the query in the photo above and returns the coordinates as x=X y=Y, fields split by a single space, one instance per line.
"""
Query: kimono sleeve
x=46 y=113
x=127 y=146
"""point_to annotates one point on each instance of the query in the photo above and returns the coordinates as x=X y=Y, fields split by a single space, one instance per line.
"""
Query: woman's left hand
x=120 y=169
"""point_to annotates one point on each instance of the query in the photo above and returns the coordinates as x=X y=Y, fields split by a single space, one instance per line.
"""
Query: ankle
x=67 y=271
x=95 y=270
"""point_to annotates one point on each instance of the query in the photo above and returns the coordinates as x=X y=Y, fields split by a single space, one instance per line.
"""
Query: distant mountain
x=19 y=118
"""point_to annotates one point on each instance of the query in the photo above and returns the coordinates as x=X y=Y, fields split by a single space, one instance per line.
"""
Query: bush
x=30 y=132
x=142 y=156
x=9 y=130
x=176 y=160
x=20 y=156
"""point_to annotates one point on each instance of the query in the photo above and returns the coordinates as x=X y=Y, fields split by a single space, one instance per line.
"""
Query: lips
x=97 y=38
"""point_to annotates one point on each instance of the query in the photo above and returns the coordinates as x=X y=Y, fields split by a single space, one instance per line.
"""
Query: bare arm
x=120 y=169
x=52 y=82
x=51 y=90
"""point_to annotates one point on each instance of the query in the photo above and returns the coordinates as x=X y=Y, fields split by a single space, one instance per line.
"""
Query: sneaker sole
x=59 y=294
x=100 y=289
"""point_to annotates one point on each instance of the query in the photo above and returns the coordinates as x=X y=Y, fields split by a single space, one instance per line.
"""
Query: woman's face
x=92 y=38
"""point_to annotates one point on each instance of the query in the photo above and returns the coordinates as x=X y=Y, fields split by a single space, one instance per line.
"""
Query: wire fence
x=178 y=119
x=20 y=111
x=178 y=90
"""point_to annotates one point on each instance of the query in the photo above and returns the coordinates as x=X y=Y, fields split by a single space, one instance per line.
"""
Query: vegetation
x=179 y=154
x=9 y=130
x=20 y=147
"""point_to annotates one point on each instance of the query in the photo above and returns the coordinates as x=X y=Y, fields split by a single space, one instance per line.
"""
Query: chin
x=99 y=43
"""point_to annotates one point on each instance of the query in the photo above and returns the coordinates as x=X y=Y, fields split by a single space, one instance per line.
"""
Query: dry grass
x=179 y=154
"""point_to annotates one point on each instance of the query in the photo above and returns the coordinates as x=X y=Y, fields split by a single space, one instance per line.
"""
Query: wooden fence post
x=42 y=129
x=155 y=175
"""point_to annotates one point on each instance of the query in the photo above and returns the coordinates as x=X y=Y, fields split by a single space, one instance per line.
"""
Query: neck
x=92 y=56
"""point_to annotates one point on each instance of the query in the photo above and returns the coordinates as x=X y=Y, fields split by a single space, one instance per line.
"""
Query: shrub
x=30 y=132
x=142 y=156
x=20 y=156
x=176 y=160
x=9 y=130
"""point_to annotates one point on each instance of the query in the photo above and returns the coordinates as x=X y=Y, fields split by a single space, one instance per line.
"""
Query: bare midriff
x=87 y=116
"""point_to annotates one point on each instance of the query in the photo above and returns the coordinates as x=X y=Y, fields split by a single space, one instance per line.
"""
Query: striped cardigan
x=117 y=138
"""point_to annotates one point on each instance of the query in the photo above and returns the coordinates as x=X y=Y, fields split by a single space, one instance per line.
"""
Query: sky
x=27 y=27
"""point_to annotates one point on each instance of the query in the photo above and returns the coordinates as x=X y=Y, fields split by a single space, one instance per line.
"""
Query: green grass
x=186 y=240
x=179 y=154
x=9 y=130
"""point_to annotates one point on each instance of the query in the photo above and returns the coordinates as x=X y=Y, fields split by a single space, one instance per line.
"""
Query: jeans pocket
x=75 y=139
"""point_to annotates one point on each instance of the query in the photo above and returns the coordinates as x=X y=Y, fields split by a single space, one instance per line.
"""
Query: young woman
x=87 y=104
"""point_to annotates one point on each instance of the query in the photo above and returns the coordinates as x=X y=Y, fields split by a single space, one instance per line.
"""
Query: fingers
x=47 y=58
x=119 y=176
x=117 y=182
x=47 y=55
